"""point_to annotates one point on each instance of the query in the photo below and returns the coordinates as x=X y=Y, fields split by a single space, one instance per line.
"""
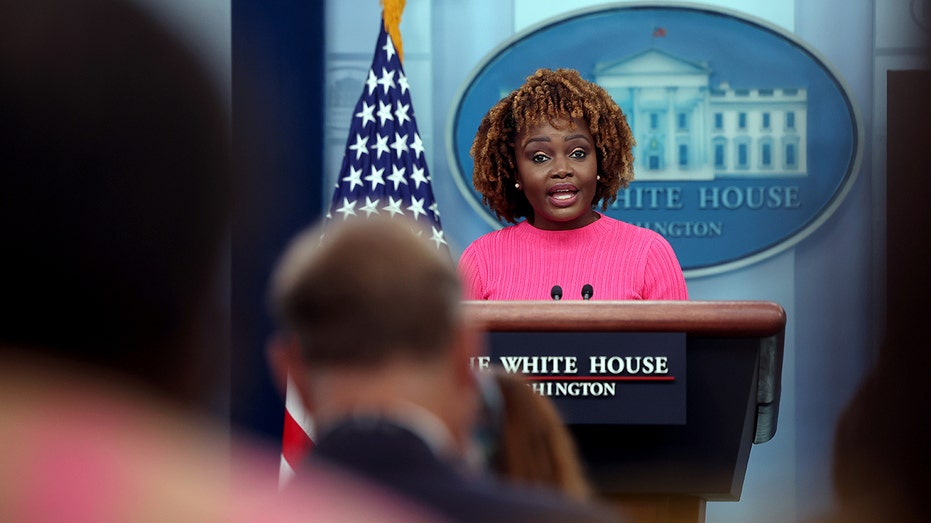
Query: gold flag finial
x=391 y=12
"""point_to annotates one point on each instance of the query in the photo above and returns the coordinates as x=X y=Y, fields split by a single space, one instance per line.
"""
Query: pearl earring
x=597 y=177
x=517 y=185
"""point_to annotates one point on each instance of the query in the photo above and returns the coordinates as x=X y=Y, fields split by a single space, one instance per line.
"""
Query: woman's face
x=557 y=170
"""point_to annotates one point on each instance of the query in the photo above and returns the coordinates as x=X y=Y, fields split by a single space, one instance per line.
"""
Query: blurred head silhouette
x=114 y=192
x=376 y=306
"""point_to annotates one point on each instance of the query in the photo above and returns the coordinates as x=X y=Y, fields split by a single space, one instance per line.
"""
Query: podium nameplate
x=625 y=378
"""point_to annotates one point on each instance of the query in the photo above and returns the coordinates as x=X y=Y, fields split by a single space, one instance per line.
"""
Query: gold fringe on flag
x=391 y=12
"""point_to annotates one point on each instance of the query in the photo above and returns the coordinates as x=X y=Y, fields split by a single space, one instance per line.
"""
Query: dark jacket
x=398 y=459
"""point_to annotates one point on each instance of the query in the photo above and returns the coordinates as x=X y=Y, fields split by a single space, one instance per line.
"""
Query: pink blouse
x=619 y=260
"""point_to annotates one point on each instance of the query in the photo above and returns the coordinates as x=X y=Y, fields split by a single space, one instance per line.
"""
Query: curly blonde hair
x=549 y=96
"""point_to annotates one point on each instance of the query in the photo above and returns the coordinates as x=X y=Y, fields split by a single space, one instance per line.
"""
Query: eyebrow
x=529 y=141
x=568 y=138
x=575 y=137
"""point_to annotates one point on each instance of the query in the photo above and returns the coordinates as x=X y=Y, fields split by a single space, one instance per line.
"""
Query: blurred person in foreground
x=114 y=199
x=529 y=443
x=376 y=340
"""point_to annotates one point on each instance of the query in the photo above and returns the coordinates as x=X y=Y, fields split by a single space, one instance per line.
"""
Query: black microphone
x=556 y=292
x=587 y=292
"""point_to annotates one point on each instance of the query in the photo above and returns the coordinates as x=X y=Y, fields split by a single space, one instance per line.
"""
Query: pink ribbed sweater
x=619 y=260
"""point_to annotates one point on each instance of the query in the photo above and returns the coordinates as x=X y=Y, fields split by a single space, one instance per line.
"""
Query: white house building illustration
x=688 y=130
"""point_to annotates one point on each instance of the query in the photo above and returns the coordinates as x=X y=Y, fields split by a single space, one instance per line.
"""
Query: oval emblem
x=747 y=141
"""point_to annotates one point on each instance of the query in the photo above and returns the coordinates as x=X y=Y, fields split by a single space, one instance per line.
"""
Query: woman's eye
x=539 y=158
x=578 y=153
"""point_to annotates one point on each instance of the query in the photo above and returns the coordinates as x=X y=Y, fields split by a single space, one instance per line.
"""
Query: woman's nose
x=561 y=168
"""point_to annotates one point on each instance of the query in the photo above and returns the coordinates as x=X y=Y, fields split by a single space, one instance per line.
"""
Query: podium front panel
x=733 y=359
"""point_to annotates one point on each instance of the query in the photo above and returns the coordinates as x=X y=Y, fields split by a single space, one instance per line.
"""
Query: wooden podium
x=733 y=360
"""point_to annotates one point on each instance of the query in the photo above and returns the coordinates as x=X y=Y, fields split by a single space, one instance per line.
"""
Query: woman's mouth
x=563 y=195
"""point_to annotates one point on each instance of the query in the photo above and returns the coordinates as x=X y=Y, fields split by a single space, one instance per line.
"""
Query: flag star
x=394 y=206
x=416 y=207
x=417 y=145
x=389 y=49
x=401 y=113
x=375 y=177
x=386 y=80
x=403 y=83
x=372 y=81
x=366 y=113
x=370 y=207
x=359 y=146
x=418 y=176
x=348 y=208
x=354 y=178
x=435 y=209
x=397 y=176
x=384 y=112
x=438 y=237
x=400 y=144
x=381 y=145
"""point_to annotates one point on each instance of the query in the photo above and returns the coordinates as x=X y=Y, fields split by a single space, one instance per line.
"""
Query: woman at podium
x=546 y=156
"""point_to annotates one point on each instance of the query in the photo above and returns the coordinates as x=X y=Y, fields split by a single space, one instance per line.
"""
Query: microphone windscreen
x=587 y=291
x=556 y=292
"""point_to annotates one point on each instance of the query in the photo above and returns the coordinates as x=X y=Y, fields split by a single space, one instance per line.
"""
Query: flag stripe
x=295 y=442
x=295 y=407
x=285 y=472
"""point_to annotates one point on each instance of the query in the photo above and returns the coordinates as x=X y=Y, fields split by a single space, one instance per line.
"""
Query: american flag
x=384 y=171
x=384 y=168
